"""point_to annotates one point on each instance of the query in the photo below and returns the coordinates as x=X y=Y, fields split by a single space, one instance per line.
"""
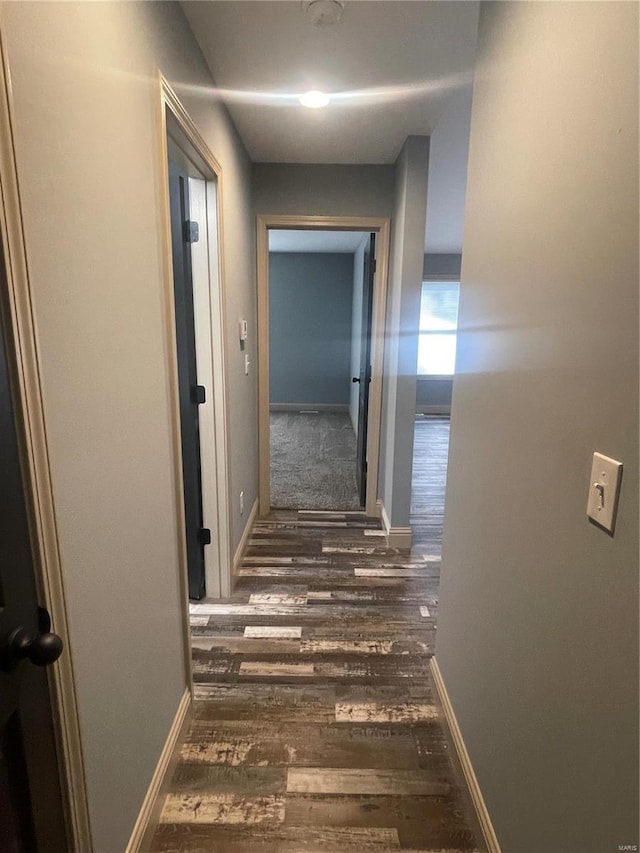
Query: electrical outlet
x=241 y=503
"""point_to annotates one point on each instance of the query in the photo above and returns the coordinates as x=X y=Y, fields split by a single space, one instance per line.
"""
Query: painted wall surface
x=85 y=100
x=403 y=311
x=436 y=393
x=319 y=190
x=310 y=302
x=538 y=624
x=436 y=265
x=432 y=393
x=356 y=328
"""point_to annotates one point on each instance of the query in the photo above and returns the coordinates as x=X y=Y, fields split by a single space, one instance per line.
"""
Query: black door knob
x=356 y=379
x=40 y=649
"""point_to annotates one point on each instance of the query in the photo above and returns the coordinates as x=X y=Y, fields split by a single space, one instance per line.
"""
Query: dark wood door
x=181 y=235
x=31 y=805
x=364 y=378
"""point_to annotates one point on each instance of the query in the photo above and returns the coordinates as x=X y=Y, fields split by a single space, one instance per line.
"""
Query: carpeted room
x=315 y=303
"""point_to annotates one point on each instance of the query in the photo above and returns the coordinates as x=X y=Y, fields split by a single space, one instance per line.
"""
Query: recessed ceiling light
x=314 y=99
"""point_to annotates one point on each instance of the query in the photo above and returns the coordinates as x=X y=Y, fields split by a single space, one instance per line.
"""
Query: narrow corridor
x=429 y=481
x=315 y=726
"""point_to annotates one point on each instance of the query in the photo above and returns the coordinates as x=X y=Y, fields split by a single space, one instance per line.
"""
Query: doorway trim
x=199 y=151
x=379 y=225
x=37 y=473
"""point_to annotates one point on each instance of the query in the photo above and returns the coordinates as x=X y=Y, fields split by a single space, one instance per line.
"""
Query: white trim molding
x=473 y=786
x=397 y=537
x=382 y=227
x=152 y=805
x=244 y=539
x=424 y=409
x=35 y=452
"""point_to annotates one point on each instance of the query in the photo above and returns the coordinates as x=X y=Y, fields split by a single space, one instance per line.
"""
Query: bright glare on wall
x=438 y=328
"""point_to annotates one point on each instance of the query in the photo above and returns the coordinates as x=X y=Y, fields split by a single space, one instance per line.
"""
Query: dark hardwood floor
x=315 y=727
x=429 y=479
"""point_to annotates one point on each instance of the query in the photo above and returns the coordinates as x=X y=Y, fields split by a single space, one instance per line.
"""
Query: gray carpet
x=313 y=461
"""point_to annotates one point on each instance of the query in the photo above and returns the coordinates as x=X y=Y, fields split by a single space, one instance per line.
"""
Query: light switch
x=604 y=489
x=246 y=364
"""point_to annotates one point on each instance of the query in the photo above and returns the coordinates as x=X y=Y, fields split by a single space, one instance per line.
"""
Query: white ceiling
x=389 y=64
x=393 y=68
x=315 y=241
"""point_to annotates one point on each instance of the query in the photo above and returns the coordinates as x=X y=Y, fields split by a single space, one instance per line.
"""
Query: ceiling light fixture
x=314 y=99
x=323 y=13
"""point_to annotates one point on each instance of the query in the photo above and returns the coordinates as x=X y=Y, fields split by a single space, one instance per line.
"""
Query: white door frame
x=381 y=227
x=37 y=473
x=195 y=148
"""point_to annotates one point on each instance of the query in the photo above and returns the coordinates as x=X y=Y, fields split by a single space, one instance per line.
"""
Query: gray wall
x=316 y=189
x=438 y=264
x=356 y=328
x=432 y=394
x=403 y=311
x=538 y=626
x=310 y=303
x=84 y=90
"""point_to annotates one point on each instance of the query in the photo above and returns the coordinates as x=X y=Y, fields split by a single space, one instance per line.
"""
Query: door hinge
x=374 y=264
x=191 y=231
x=204 y=536
x=198 y=394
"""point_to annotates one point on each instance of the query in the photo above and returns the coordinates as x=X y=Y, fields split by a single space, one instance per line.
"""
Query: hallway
x=315 y=726
x=429 y=481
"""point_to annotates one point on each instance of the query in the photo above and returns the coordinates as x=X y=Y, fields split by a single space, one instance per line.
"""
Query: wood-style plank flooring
x=315 y=727
x=428 y=482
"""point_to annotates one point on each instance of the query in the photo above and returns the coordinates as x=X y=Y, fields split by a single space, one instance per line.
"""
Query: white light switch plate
x=604 y=488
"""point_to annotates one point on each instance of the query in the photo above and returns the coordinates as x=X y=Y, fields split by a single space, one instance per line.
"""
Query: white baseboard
x=473 y=787
x=150 y=810
x=308 y=407
x=432 y=410
x=242 y=544
x=384 y=518
x=397 y=537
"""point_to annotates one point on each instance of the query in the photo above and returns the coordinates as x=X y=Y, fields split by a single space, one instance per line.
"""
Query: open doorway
x=197 y=303
x=436 y=372
x=321 y=292
x=320 y=300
